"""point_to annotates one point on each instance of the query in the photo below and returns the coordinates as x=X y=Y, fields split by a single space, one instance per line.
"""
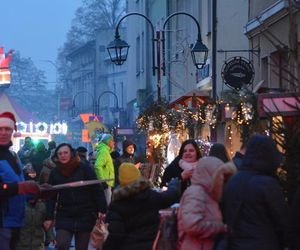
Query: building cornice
x=268 y=17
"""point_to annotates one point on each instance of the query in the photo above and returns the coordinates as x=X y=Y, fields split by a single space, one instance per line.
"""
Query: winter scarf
x=67 y=169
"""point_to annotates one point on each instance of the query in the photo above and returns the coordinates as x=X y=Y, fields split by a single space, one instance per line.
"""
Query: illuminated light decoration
x=22 y=127
x=43 y=128
x=173 y=147
x=243 y=113
x=229 y=139
x=156 y=139
x=210 y=115
x=5 y=78
x=4 y=186
x=204 y=146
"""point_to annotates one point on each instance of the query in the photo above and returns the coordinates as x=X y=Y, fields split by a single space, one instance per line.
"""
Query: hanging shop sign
x=237 y=72
x=278 y=104
x=43 y=128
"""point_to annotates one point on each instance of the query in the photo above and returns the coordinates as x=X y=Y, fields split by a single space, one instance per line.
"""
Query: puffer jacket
x=199 y=216
x=133 y=215
x=104 y=166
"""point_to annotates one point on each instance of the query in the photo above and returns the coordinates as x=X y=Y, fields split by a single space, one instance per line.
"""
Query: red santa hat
x=7 y=119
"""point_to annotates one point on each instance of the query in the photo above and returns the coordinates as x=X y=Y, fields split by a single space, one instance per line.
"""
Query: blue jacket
x=12 y=206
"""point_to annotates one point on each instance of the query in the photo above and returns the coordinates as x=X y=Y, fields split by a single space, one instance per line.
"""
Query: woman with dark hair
x=189 y=152
x=218 y=150
x=76 y=208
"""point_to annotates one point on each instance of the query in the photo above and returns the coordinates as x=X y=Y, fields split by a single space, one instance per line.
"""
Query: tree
x=28 y=88
x=91 y=16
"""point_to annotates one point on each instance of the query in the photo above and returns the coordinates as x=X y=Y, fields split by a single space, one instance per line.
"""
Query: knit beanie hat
x=106 y=138
x=7 y=119
x=128 y=174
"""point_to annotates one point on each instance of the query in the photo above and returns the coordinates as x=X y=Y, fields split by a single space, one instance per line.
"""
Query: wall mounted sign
x=43 y=128
x=237 y=72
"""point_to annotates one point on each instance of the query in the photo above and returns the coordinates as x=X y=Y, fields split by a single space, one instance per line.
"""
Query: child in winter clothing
x=199 y=216
x=133 y=215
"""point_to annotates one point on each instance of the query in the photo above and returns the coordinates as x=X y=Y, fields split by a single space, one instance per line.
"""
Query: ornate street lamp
x=199 y=51
x=199 y=54
x=118 y=49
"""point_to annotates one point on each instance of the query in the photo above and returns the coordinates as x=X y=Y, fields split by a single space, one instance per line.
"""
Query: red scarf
x=68 y=168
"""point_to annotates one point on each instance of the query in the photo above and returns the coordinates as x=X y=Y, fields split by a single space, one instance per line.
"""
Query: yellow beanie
x=128 y=174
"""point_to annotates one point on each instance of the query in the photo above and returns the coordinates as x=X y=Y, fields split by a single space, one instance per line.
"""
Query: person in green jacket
x=104 y=166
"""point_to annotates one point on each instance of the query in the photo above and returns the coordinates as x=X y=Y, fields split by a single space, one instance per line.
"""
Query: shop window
x=279 y=70
x=138 y=57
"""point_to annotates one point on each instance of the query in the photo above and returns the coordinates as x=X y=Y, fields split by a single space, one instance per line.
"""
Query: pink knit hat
x=7 y=119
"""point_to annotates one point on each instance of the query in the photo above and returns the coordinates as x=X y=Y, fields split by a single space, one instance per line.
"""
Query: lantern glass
x=199 y=54
x=118 y=51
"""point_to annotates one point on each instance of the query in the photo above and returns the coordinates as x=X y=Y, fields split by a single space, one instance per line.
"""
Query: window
x=278 y=70
x=265 y=70
x=138 y=57
x=143 y=53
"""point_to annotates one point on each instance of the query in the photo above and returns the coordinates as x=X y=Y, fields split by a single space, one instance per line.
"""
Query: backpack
x=166 y=237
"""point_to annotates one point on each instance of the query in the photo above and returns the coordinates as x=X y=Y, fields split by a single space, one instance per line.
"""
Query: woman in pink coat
x=199 y=216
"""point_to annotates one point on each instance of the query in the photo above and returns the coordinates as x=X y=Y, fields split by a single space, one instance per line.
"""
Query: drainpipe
x=214 y=61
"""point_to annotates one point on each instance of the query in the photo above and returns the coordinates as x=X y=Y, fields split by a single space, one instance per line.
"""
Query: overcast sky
x=36 y=28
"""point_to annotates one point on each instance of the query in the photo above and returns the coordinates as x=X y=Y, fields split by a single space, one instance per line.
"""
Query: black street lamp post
x=118 y=49
x=95 y=103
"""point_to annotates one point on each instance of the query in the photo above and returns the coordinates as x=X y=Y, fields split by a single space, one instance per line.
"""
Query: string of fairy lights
x=159 y=121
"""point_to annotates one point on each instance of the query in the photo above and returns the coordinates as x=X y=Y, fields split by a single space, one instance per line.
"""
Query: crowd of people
x=224 y=203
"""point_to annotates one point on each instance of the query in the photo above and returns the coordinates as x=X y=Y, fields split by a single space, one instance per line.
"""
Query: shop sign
x=43 y=128
x=125 y=131
x=278 y=104
x=237 y=72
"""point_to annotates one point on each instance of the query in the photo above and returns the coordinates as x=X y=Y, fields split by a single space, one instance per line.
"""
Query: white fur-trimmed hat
x=7 y=119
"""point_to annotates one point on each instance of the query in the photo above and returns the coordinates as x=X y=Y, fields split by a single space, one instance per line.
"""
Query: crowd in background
x=224 y=203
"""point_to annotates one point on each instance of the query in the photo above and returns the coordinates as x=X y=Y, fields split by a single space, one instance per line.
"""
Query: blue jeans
x=9 y=238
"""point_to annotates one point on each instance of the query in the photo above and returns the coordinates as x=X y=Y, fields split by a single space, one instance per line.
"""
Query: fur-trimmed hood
x=211 y=173
x=132 y=189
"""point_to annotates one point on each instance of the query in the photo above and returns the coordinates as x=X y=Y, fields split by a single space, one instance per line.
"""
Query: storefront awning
x=284 y=104
x=193 y=98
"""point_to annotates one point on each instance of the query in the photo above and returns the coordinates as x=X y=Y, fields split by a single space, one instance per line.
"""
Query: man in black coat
x=128 y=156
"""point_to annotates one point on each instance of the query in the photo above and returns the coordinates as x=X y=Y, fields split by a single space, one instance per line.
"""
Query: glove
x=29 y=187
x=46 y=191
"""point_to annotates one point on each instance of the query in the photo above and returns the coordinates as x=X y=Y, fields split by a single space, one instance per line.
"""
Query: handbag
x=99 y=234
x=166 y=237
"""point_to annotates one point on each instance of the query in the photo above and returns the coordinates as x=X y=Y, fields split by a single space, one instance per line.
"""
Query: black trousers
x=64 y=238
